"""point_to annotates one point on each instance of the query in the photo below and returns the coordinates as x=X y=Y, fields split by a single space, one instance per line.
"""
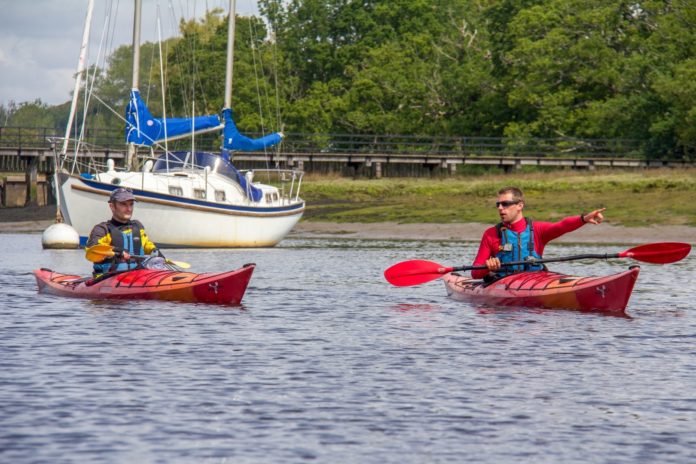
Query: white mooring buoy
x=60 y=236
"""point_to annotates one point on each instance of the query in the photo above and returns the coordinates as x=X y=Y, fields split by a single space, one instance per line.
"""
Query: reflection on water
x=416 y=307
x=326 y=361
x=501 y=310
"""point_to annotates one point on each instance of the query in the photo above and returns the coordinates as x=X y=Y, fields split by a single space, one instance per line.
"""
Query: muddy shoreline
x=604 y=233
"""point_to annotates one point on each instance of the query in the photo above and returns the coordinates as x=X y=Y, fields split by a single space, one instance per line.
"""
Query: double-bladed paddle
x=97 y=253
x=417 y=271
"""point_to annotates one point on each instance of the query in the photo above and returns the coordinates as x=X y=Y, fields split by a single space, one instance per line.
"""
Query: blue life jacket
x=516 y=247
x=127 y=238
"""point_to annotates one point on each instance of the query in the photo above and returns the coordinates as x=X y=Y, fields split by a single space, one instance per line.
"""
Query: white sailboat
x=186 y=199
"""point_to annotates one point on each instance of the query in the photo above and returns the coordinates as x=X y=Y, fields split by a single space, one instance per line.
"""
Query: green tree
x=31 y=114
x=520 y=68
x=196 y=70
x=672 y=41
x=390 y=66
x=598 y=68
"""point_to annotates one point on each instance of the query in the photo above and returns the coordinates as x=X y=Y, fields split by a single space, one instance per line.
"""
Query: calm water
x=327 y=362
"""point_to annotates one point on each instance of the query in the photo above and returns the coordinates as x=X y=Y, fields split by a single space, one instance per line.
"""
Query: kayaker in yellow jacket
x=126 y=235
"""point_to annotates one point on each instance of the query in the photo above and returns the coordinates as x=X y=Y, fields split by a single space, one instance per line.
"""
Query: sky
x=40 y=39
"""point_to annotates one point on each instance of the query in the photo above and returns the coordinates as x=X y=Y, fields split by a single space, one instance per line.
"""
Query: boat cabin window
x=178 y=163
x=199 y=193
x=220 y=195
x=174 y=190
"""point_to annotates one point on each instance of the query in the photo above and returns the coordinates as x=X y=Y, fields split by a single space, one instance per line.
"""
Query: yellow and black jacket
x=129 y=236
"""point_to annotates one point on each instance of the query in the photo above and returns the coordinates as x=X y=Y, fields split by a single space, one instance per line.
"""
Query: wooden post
x=378 y=170
x=31 y=176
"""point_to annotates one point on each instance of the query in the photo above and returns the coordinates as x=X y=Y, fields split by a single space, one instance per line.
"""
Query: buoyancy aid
x=516 y=247
x=126 y=237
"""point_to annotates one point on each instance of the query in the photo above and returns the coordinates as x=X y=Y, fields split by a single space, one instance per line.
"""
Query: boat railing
x=79 y=157
x=82 y=166
x=287 y=181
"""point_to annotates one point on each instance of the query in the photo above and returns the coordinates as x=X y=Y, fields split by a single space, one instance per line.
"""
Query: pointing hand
x=595 y=217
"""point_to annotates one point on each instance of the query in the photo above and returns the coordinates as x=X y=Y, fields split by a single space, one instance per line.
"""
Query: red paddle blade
x=658 y=253
x=414 y=272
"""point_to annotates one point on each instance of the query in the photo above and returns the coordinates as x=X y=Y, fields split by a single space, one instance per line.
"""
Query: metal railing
x=460 y=146
x=38 y=138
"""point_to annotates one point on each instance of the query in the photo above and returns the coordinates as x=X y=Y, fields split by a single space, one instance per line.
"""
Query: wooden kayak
x=545 y=289
x=151 y=284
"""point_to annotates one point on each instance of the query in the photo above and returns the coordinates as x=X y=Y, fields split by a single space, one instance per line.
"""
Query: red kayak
x=151 y=284
x=545 y=289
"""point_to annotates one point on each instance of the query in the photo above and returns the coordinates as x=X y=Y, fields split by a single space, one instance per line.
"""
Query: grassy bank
x=632 y=198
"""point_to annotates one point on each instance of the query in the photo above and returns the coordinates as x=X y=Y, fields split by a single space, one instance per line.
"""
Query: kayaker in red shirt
x=515 y=238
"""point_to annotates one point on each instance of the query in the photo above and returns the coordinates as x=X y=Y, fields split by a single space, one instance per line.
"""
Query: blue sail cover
x=144 y=129
x=234 y=140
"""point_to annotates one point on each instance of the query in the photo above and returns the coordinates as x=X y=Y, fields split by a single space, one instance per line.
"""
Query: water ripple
x=324 y=361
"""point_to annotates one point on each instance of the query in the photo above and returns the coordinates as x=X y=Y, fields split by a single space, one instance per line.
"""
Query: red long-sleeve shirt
x=544 y=232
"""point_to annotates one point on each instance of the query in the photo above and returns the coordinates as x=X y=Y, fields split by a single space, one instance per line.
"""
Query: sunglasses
x=506 y=204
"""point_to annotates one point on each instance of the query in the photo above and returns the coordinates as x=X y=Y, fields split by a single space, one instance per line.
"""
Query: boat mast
x=136 y=70
x=230 y=54
x=79 y=74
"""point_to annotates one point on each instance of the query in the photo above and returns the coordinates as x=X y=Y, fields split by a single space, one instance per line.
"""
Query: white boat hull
x=172 y=221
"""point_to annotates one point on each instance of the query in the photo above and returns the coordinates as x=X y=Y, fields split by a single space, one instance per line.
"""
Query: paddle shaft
x=108 y=251
x=166 y=260
x=538 y=261
x=418 y=271
x=141 y=257
x=111 y=254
